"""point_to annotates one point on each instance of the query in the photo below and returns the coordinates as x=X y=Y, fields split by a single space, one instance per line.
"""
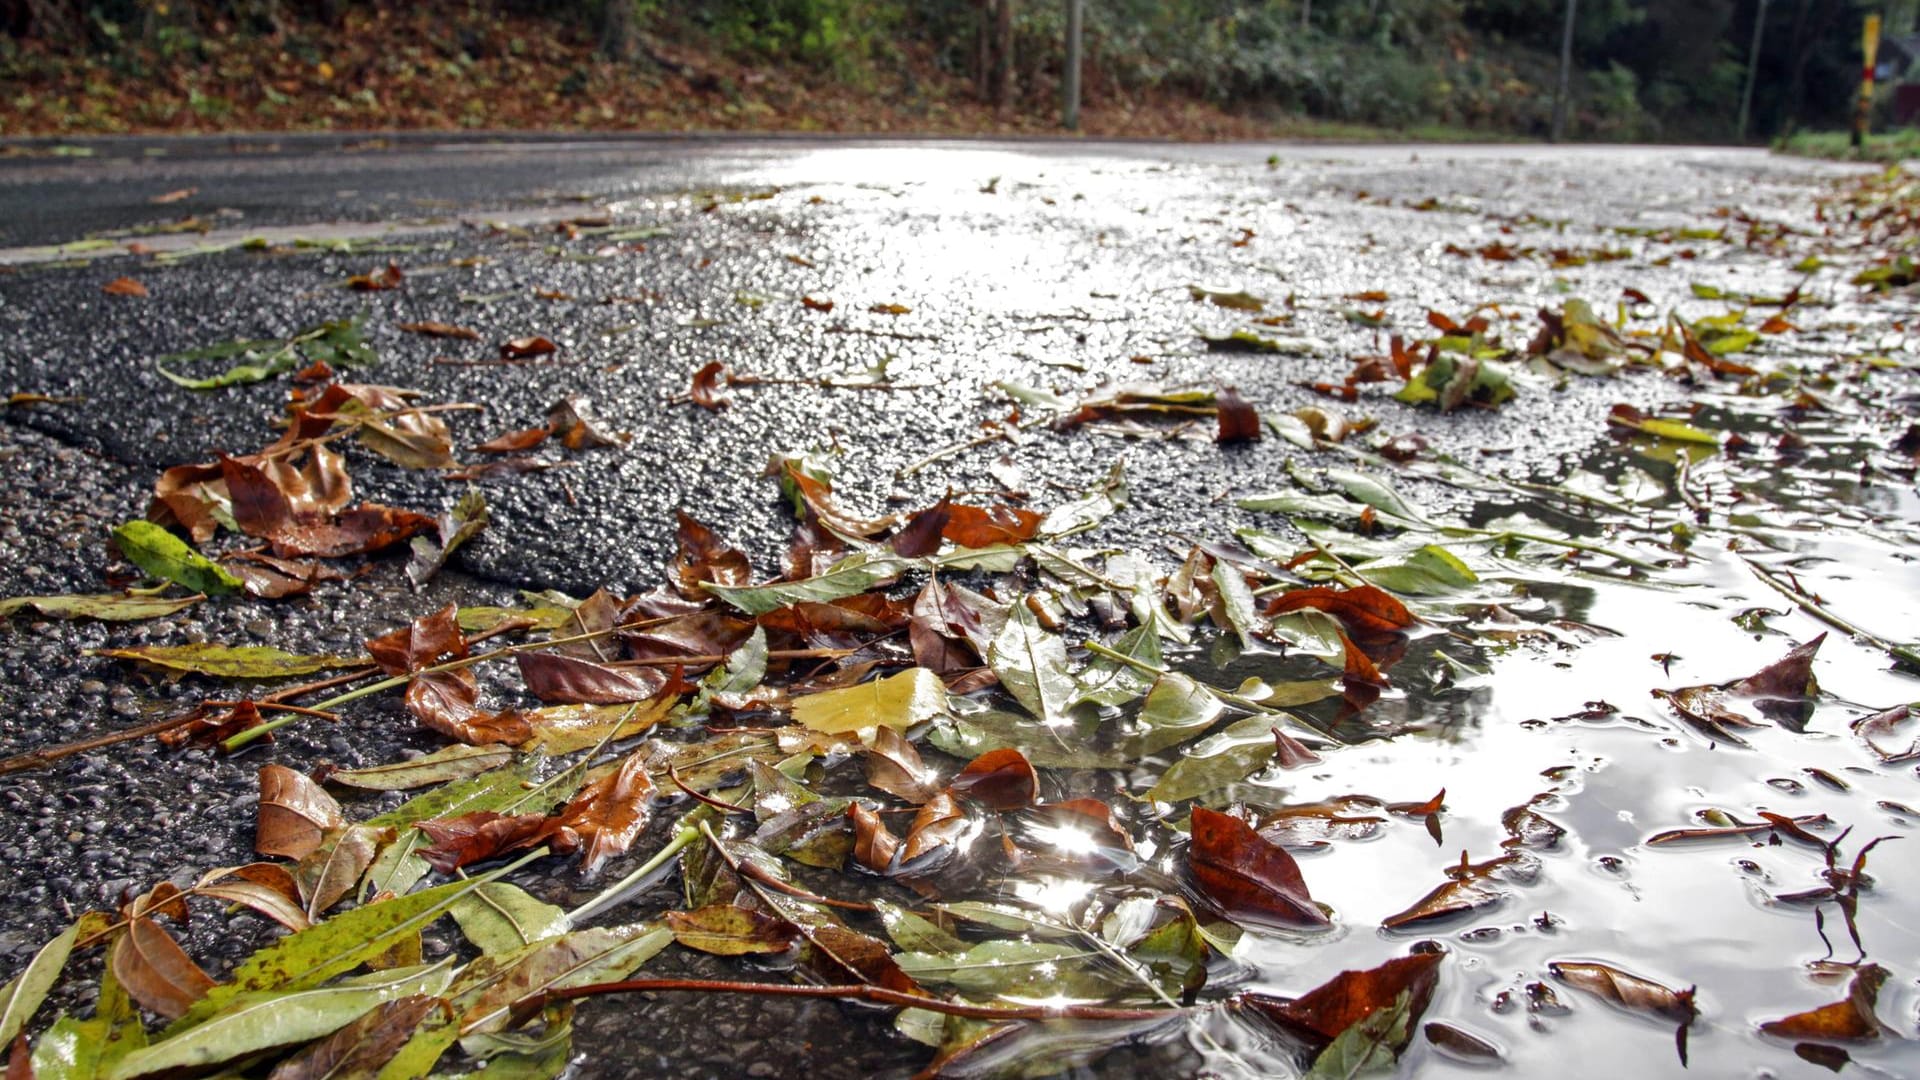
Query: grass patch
x=1893 y=146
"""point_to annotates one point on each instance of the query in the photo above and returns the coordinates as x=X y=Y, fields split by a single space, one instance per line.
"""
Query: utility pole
x=1070 y=88
x=1753 y=69
x=1561 y=91
x=1870 y=53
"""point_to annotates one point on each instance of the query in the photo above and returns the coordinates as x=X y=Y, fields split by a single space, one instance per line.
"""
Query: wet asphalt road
x=1055 y=265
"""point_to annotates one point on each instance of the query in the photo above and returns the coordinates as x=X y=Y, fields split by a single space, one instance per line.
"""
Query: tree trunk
x=1003 y=58
x=619 y=31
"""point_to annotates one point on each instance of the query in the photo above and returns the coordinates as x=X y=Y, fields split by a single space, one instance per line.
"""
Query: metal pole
x=1070 y=106
x=1869 y=51
x=1753 y=69
x=1566 y=76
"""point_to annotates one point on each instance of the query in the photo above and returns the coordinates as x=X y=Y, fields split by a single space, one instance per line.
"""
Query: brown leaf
x=1249 y=879
x=478 y=836
x=327 y=874
x=1879 y=733
x=124 y=286
x=873 y=844
x=1366 y=610
x=266 y=888
x=20 y=1058
x=936 y=834
x=977 y=527
x=1789 y=678
x=1463 y=1045
x=515 y=441
x=703 y=556
x=836 y=953
x=272 y=578
x=173 y=196
x=999 y=780
x=726 y=930
x=449 y=702
x=894 y=766
x=420 y=644
x=608 y=814
x=1849 y=1020
x=1089 y=814
x=889 y=309
x=527 y=348
x=1465 y=890
x=817 y=494
x=363 y=1047
x=361 y=531
x=707 y=390
x=1291 y=752
x=567 y=680
x=811 y=304
x=1238 y=420
x=1719 y=832
x=1628 y=990
x=1351 y=996
x=294 y=814
x=921 y=534
x=156 y=972
x=377 y=280
x=259 y=507
x=574 y=424
x=440 y=330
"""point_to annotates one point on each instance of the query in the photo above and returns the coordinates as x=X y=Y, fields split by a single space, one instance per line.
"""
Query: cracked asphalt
x=1062 y=266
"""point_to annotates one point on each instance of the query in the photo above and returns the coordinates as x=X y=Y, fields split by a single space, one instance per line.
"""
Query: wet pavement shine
x=874 y=301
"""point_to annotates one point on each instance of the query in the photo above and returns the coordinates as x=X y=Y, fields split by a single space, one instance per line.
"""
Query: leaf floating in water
x=1849 y=1020
x=1632 y=992
x=1250 y=879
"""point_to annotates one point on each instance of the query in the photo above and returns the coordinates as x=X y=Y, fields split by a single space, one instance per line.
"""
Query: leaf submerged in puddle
x=1251 y=880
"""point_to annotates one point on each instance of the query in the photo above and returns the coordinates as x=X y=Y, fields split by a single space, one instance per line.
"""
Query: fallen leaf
x=568 y=680
x=294 y=814
x=155 y=971
x=1250 y=879
x=367 y=1044
x=902 y=700
x=124 y=286
x=515 y=441
x=998 y=780
x=1366 y=610
x=572 y=421
x=527 y=348
x=708 y=382
x=441 y=330
x=1328 y=1010
x=1849 y=1020
x=726 y=930
x=377 y=280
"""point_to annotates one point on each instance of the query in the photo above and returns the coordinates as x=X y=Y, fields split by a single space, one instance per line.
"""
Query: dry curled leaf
x=441 y=330
x=124 y=286
x=294 y=815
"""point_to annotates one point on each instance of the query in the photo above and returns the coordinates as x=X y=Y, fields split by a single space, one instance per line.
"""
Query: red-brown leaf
x=936 y=832
x=419 y=644
x=608 y=814
x=977 y=527
x=999 y=780
x=895 y=767
x=361 y=531
x=873 y=844
x=294 y=813
x=124 y=286
x=377 y=280
x=1848 y=1020
x=567 y=680
x=708 y=390
x=155 y=971
x=922 y=533
x=363 y=1047
x=703 y=556
x=516 y=441
x=478 y=836
x=1238 y=420
x=1251 y=880
x=1789 y=678
x=1367 y=611
x=449 y=702
x=1291 y=752
x=526 y=348
x=1351 y=996
x=440 y=330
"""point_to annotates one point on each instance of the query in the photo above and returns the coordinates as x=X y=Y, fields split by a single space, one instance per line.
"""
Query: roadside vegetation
x=1195 y=68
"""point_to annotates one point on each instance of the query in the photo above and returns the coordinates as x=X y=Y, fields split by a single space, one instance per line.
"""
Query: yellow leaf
x=897 y=701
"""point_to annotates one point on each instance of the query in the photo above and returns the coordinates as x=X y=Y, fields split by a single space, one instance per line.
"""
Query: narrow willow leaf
x=21 y=997
x=1110 y=682
x=1011 y=967
x=313 y=956
x=489 y=987
x=1032 y=665
x=1237 y=600
x=230 y=661
x=398 y=867
x=500 y=918
x=1376 y=493
x=851 y=577
x=911 y=933
x=106 y=607
x=161 y=554
x=1328 y=508
x=1429 y=570
x=448 y=763
x=1176 y=709
x=70 y=1049
x=258 y=1021
x=1090 y=509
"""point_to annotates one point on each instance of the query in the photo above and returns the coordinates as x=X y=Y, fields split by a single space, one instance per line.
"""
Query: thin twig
x=877 y=995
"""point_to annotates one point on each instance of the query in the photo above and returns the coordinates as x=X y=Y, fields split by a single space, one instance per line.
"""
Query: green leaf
x=1109 y=682
x=21 y=997
x=1370 y=1045
x=303 y=960
x=447 y=763
x=1032 y=665
x=488 y=988
x=1429 y=570
x=1136 y=576
x=1237 y=600
x=746 y=666
x=499 y=918
x=1221 y=759
x=230 y=661
x=339 y=343
x=1090 y=509
x=898 y=701
x=70 y=1049
x=163 y=555
x=544 y=617
x=1316 y=507
x=106 y=607
x=1376 y=493
x=1245 y=340
x=397 y=868
x=1073 y=746
x=1015 y=967
x=257 y=1021
x=1236 y=299
x=912 y=933
x=850 y=577
x=1177 y=709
